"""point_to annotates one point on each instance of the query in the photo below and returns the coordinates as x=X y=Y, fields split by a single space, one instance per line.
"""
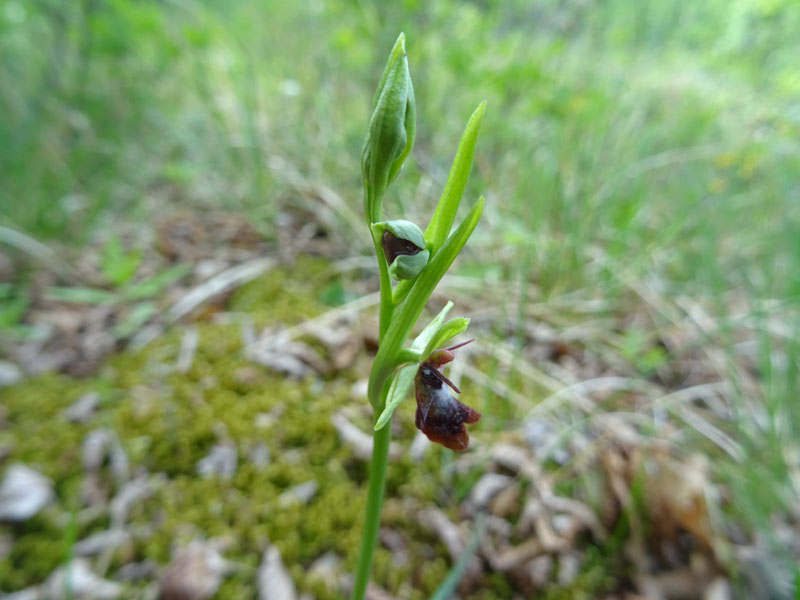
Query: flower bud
x=404 y=247
x=391 y=132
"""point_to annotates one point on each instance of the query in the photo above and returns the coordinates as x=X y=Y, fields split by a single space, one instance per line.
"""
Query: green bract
x=444 y=216
x=391 y=132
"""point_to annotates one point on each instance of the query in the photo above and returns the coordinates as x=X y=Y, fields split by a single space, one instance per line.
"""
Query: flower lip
x=440 y=415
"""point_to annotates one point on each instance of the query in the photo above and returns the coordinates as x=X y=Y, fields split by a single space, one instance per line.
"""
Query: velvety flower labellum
x=440 y=415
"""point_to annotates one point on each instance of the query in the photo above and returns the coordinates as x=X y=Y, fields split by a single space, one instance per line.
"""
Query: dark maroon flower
x=440 y=415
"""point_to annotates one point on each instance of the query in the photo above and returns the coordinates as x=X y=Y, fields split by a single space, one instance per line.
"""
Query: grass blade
x=456 y=574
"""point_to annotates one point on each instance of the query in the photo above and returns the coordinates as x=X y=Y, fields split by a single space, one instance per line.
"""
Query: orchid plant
x=416 y=261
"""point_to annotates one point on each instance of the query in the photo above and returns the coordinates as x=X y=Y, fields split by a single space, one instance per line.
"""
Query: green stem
x=380 y=441
x=387 y=306
x=372 y=517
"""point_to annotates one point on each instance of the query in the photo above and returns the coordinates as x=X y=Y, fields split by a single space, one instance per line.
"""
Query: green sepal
x=408 y=266
x=447 y=332
x=406 y=230
x=425 y=338
x=397 y=392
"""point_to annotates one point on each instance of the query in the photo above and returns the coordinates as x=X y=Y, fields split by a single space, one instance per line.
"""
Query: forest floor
x=202 y=428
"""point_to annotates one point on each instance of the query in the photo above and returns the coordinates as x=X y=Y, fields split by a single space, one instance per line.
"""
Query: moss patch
x=167 y=421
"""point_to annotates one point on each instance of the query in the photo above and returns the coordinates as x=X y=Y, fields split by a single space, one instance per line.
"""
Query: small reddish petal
x=440 y=357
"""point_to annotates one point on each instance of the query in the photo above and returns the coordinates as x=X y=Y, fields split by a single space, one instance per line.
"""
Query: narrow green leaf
x=397 y=392
x=81 y=295
x=447 y=332
x=407 y=355
x=13 y=309
x=444 y=257
x=152 y=286
x=7 y=290
x=421 y=342
x=134 y=320
x=448 y=587
x=445 y=213
x=119 y=266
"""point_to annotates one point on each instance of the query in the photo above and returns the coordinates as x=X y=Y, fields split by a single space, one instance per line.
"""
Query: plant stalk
x=387 y=306
x=372 y=516
x=380 y=441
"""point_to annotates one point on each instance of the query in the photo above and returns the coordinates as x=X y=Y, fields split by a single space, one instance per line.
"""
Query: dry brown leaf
x=506 y=503
x=327 y=568
x=195 y=573
x=101 y=542
x=274 y=581
x=677 y=498
x=10 y=374
x=300 y=494
x=395 y=542
x=486 y=488
x=98 y=445
x=279 y=352
x=82 y=583
x=136 y=490
x=452 y=536
x=23 y=493
x=83 y=408
x=359 y=441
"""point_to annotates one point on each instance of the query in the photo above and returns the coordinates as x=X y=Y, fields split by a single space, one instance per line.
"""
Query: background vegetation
x=633 y=153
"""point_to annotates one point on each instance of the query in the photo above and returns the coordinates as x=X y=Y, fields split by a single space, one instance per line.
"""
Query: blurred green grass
x=653 y=142
x=661 y=136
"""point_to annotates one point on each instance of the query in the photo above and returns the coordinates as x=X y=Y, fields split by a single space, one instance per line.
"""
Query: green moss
x=592 y=582
x=37 y=550
x=284 y=296
x=167 y=421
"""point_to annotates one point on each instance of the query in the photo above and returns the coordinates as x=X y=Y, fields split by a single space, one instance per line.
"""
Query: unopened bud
x=391 y=132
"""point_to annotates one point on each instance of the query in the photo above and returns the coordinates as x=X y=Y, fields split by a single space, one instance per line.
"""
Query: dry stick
x=221 y=282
